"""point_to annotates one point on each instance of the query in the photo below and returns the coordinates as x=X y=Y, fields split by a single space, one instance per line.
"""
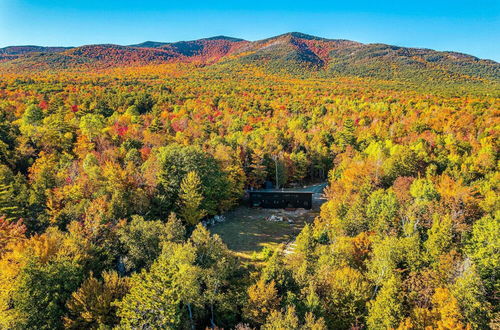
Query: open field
x=246 y=229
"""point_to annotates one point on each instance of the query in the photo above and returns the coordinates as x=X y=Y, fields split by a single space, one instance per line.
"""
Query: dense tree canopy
x=105 y=178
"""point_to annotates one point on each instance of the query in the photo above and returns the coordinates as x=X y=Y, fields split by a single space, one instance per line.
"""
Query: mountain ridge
x=292 y=52
x=156 y=44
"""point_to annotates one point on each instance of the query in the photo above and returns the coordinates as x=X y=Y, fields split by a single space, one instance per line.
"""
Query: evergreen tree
x=8 y=209
x=174 y=229
x=141 y=242
x=190 y=199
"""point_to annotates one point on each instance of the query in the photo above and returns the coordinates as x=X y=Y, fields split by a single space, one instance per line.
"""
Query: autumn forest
x=112 y=156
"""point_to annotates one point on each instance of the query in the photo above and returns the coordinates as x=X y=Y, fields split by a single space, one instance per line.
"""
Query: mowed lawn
x=246 y=231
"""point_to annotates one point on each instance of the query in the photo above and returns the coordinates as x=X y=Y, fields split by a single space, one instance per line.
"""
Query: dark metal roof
x=273 y=191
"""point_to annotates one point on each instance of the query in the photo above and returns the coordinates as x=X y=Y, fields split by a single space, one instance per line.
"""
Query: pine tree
x=174 y=229
x=7 y=208
x=191 y=198
x=156 y=125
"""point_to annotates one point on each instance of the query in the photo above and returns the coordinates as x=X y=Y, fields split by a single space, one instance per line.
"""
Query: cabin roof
x=274 y=191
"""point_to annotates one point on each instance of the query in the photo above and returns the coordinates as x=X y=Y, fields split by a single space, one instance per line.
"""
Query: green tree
x=33 y=115
x=423 y=190
x=187 y=283
x=286 y=320
x=346 y=136
x=8 y=208
x=344 y=293
x=386 y=256
x=440 y=237
x=403 y=161
x=382 y=211
x=304 y=254
x=483 y=248
x=313 y=323
x=236 y=185
x=174 y=229
x=170 y=165
x=386 y=311
x=471 y=296
x=300 y=165
x=43 y=291
x=190 y=199
x=91 y=125
x=276 y=270
x=155 y=298
x=141 y=242
x=219 y=267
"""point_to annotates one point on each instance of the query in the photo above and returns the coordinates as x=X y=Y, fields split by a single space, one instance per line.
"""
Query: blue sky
x=471 y=27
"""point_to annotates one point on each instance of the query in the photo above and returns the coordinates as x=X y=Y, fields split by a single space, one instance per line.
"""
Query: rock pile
x=274 y=218
x=213 y=221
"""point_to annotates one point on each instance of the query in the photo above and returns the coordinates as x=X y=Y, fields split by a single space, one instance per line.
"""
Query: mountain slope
x=389 y=62
x=290 y=53
x=291 y=49
x=90 y=57
x=13 y=52
x=104 y=56
x=209 y=50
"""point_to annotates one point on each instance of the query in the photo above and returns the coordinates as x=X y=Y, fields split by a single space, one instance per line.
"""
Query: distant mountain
x=156 y=44
x=206 y=51
x=13 y=52
x=149 y=44
x=291 y=53
x=209 y=50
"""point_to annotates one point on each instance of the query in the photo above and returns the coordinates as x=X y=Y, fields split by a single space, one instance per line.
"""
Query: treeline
x=104 y=179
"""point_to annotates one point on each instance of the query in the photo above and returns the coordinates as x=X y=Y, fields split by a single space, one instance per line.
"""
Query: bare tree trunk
x=190 y=316
x=212 y=323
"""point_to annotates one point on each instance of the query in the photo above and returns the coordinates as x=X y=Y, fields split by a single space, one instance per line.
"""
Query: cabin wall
x=278 y=200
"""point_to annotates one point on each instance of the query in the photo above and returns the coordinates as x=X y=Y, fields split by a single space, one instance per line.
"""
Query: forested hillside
x=112 y=155
x=293 y=53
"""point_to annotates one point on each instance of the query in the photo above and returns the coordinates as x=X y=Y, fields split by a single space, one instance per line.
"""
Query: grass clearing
x=246 y=231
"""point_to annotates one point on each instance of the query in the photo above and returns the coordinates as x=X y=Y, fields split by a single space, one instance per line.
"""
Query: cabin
x=279 y=199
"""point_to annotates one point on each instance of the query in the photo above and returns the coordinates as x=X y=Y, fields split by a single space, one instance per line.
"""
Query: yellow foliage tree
x=262 y=300
x=92 y=306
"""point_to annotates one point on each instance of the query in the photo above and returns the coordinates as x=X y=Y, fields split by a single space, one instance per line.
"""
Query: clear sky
x=471 y=27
